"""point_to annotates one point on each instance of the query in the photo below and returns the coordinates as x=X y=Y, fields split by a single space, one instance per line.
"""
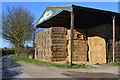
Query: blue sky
x=37 y=9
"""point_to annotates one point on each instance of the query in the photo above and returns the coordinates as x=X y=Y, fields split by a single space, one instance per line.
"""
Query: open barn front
x=53 y=44
x=90 y=45
x=78 y=34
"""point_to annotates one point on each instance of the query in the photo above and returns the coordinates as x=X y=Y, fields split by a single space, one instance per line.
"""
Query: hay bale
x=97 y=50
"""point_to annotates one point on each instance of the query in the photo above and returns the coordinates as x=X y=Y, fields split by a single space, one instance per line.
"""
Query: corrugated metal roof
x=59 y=15
x=61 y=6
x=51 y=12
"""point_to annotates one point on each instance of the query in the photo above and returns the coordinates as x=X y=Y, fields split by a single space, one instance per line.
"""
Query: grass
x=113 y=64
x=43 y=63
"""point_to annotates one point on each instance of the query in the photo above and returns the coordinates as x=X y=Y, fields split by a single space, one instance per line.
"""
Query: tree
x=17 y=26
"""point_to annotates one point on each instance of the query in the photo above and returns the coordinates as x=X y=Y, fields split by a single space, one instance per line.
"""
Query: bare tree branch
x=17 y=24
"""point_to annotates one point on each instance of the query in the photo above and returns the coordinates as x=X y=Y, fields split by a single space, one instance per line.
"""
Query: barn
x=78 y=34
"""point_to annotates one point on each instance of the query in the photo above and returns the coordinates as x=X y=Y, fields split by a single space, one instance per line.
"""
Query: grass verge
x=114 y=64
x=43 y=63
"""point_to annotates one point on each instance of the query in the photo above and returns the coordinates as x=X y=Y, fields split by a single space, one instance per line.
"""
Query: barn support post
x=34 y=43
x=114 y=26
x=71 y=39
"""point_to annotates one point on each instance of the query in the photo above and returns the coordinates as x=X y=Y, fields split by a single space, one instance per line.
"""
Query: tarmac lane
x=13 y=69
x=10 y=68
x=91 y=75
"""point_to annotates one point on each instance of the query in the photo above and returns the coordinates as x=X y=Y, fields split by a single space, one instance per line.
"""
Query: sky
x=37 y=9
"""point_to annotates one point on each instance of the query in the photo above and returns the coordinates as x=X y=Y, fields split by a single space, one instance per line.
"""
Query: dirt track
x=27 y=70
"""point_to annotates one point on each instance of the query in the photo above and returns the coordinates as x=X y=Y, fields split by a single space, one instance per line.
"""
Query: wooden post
x=34 y=43
x=71 y=39
x=113 y=39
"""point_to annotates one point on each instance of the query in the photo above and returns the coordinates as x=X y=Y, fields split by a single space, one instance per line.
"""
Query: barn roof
x=84 y=17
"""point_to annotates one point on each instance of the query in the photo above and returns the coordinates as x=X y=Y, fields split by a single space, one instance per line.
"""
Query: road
x=12 y=69
x=9 y=67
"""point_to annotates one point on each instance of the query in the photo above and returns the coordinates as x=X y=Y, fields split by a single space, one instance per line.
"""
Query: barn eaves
x=84 y=17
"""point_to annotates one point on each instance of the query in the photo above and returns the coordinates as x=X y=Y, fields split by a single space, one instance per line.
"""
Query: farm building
x=78 y=34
